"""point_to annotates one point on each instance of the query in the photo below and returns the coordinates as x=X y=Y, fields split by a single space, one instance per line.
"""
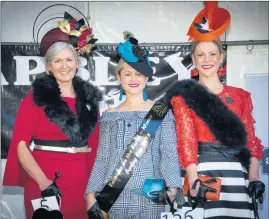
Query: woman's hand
x=52 y=189
x=45 y=183
x=93 y=209
x=193 y=192
x=172 y=192
x=90 y=200
x=176 y=195
x=192 y=177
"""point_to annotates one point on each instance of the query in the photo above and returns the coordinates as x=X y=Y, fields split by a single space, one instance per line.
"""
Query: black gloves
x=201 y=194
x=255 y=191
x=160 y=196
x=52 y=189
x=44 y=212
x=95 y=212
x=163 y=198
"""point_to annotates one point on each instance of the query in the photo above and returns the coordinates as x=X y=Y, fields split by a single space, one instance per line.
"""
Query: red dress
x=191 y=129
x=32 y=122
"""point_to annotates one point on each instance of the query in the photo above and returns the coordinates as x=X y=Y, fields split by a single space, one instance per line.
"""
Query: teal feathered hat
x=134 y=55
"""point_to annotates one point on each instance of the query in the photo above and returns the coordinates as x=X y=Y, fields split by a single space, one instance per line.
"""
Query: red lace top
x=191 y=129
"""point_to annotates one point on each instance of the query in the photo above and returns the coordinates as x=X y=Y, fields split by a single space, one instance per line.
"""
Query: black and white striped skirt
x=234 y=201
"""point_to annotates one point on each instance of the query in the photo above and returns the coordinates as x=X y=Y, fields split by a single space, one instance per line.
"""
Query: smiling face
x=63 y=65
x=62 y=61
x=207 y=57
x=132 y=81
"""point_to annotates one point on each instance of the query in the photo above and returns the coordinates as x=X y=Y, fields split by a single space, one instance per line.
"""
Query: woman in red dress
x=60 y=115
x=215 y=127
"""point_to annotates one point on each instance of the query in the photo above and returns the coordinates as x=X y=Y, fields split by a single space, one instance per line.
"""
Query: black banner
x=22 y=63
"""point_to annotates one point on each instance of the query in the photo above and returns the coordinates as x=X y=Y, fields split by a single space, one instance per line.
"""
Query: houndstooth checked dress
x=117 y=130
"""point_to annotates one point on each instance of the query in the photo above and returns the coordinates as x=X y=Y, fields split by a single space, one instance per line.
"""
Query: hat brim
x=222 y=19
x=142 y=68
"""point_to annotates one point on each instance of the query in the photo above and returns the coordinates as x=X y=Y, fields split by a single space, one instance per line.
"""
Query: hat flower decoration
x=80 y=35
x=70 y=30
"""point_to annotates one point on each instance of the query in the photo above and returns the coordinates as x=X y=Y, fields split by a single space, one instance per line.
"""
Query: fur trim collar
x=224 y=124
x=46 y=93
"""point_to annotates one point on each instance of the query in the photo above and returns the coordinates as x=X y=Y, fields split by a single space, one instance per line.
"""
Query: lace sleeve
x=187 y=140
x=254 y=143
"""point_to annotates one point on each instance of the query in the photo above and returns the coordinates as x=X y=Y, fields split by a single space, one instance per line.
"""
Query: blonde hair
x=217 y=42
x=119 y=66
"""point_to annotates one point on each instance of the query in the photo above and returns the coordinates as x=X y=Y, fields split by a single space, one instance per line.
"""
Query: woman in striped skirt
x=216 y=134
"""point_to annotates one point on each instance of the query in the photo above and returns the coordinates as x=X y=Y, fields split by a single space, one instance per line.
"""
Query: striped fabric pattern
x=234 y=201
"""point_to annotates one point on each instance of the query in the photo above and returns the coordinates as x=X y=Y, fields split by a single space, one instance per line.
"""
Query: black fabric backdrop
x=12 y=94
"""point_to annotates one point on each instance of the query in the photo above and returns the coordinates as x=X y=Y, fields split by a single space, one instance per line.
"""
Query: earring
x=76 y=71
x=121 y=93
x=50 y=73
x=194 y=72
x=145 y=94
x=222 y=71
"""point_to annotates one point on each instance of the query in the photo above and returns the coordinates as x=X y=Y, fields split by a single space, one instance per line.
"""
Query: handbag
x=209 y=181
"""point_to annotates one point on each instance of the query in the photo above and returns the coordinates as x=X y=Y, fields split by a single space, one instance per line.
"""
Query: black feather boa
x=224 y=124
x=46 y=93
